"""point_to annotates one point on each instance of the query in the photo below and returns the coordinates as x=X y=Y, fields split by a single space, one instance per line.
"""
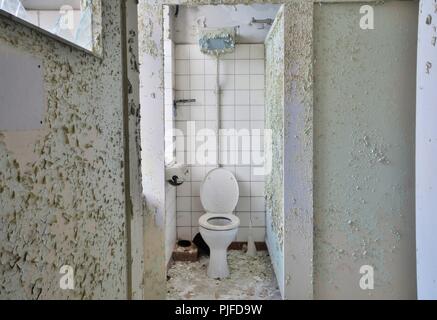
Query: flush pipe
x=217 y=92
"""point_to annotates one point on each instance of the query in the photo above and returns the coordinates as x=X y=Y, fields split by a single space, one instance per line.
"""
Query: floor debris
x=251 y=278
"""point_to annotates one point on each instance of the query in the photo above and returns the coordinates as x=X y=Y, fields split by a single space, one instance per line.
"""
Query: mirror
x=77 y=21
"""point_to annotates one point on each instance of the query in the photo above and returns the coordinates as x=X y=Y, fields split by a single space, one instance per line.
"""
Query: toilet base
x=218 y=243
x=218 y=264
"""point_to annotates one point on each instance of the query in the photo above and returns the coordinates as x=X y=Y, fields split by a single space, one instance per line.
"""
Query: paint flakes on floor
x=251 y=278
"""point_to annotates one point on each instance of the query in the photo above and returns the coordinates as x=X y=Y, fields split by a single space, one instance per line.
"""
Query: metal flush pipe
x=216 y=42
x=217 y=92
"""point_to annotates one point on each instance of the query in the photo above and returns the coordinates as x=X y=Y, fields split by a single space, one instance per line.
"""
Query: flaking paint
x=63 y=203
x=274 y=113
x=364 y=121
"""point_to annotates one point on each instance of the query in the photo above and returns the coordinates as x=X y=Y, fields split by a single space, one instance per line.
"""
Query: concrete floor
x=251 y=278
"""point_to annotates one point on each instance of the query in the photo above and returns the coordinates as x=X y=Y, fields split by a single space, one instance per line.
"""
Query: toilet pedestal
x=218 y=264
x=218 y=243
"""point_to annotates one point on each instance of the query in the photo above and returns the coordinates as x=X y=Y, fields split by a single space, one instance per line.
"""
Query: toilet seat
x=230 y=221
x=219 y=192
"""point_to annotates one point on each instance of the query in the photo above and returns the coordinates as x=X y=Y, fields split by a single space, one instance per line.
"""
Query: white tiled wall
x=242 y=107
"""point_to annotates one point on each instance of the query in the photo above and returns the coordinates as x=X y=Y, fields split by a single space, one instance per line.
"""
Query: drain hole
x=184 y=243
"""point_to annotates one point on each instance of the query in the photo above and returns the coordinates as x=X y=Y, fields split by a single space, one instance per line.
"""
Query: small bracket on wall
x=182 y=101
x=262 y=22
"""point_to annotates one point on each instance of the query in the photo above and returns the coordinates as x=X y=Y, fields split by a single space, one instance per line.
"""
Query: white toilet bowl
x=218 y=231
x=219 y=195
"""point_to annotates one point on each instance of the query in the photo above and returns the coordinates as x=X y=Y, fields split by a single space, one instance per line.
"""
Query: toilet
x=219 y=195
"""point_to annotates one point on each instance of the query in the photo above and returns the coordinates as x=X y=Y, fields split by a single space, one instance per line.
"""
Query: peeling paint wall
x=151 y=50
x=298 y=150
x=426 y=152
x=134 y=197
x=63 y=203
x=364 y=123
x=274 y=111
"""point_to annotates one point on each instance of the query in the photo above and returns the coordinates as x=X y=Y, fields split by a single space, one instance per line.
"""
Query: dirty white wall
x=135 y=202
x=274 y=121
x=169 y=118
x=151 y=58
x=364 y=166
x=426 y=152
x=62 y=196
x=298 y=150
